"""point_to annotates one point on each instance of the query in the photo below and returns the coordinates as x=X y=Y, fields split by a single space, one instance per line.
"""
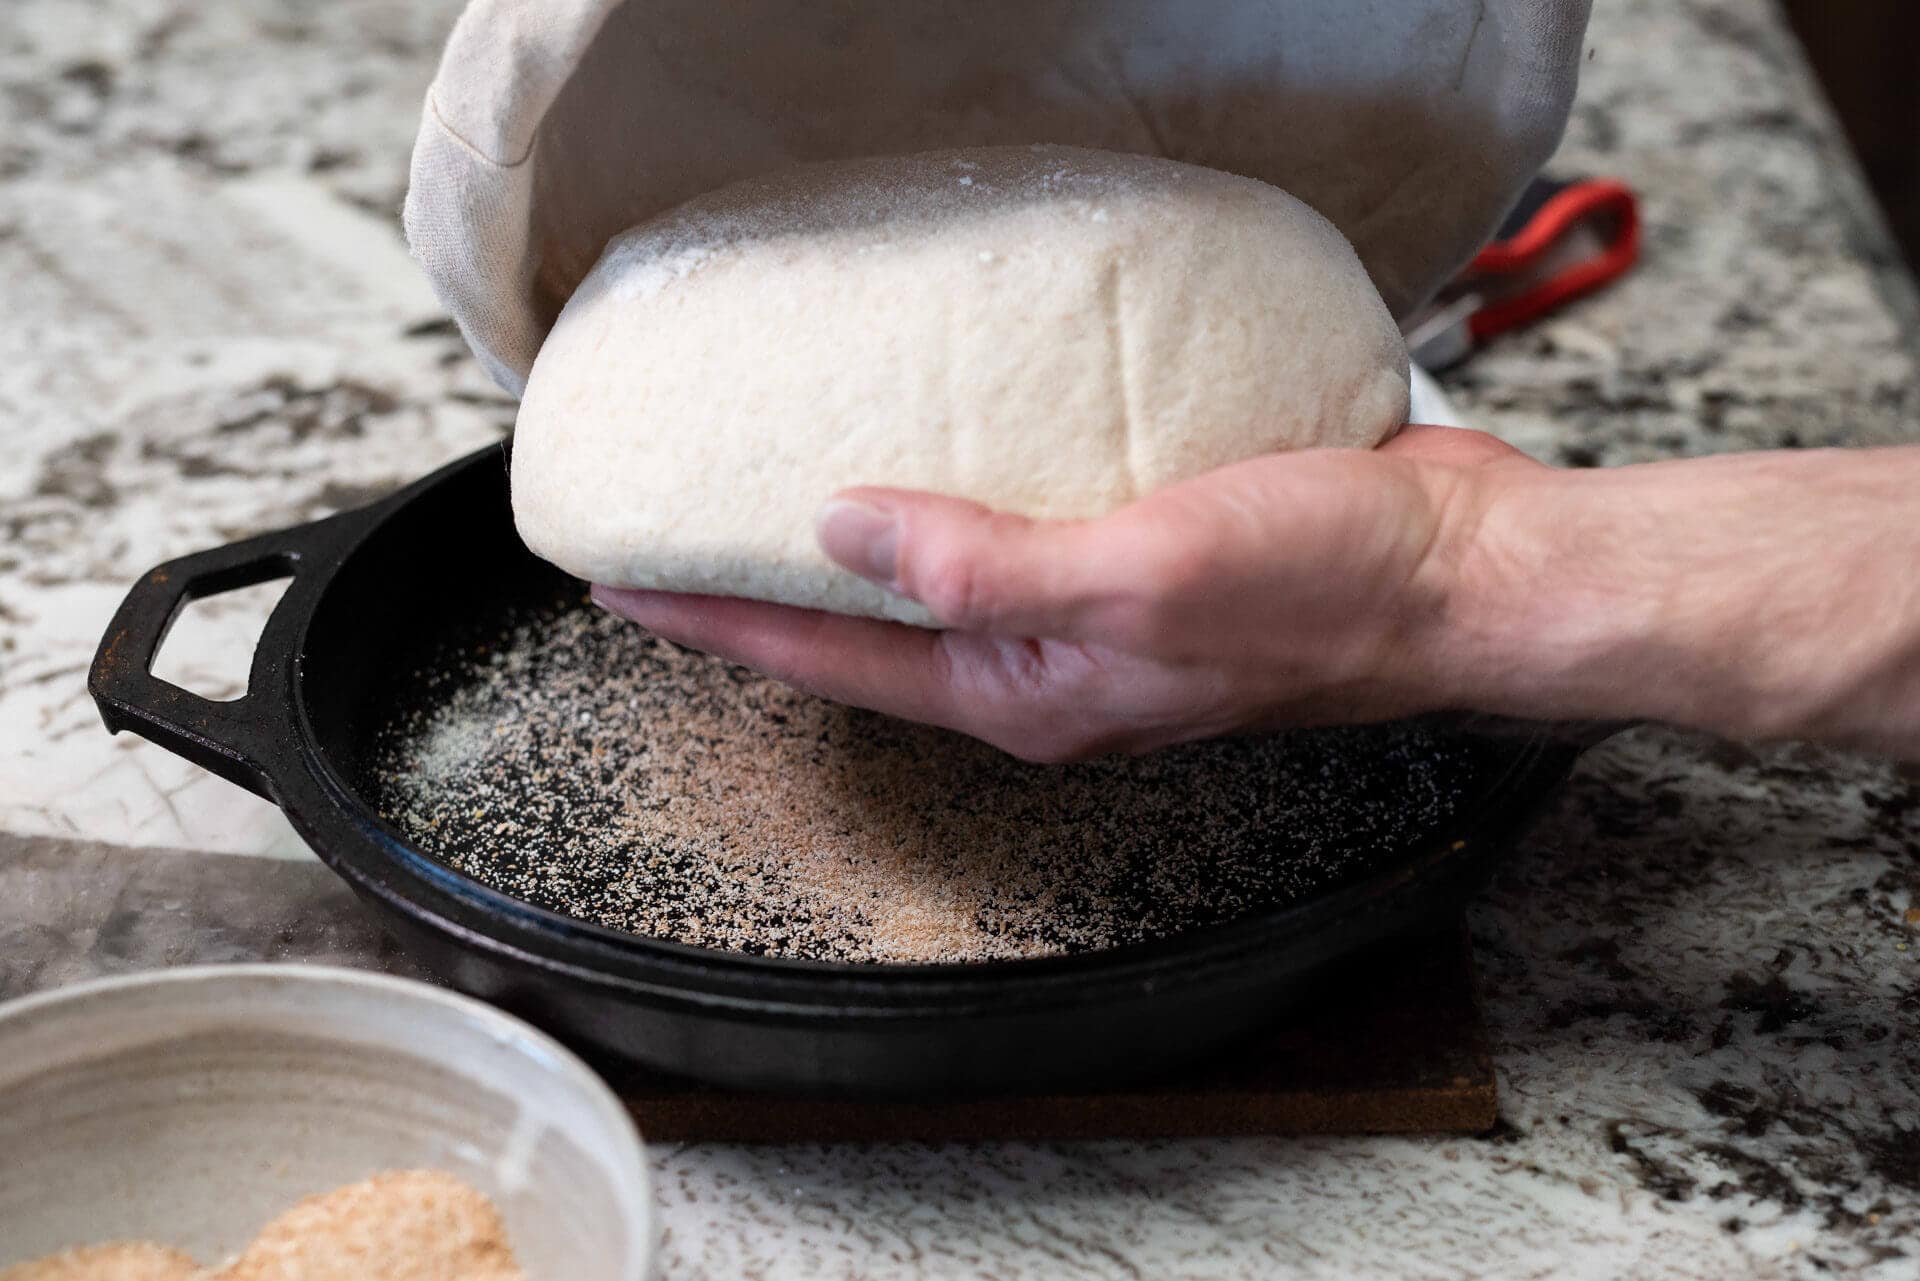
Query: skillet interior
x=445 y=563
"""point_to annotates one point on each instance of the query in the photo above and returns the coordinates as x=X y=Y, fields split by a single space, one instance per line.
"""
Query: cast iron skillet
x=371 y=588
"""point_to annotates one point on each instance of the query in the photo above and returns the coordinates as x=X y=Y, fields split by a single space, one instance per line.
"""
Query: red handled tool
x=1564 y=239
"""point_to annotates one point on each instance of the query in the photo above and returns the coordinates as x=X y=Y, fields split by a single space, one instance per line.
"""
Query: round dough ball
x=1047 y=330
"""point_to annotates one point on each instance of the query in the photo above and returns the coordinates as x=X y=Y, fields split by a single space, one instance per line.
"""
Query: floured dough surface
x=121 y=1261
x=1048 y=330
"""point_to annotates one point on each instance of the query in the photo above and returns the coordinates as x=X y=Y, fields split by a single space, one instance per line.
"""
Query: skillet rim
x=335 y=819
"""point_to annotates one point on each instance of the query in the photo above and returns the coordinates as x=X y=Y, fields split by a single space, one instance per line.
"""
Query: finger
x=976 y=569
x=885 y=667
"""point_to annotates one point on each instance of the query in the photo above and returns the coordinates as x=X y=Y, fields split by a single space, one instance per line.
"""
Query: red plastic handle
x=1575 y=203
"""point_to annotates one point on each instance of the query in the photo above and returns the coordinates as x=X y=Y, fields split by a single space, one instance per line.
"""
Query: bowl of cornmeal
x=299 y=1123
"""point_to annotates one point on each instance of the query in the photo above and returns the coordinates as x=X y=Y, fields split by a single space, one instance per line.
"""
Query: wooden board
x=1399 y=1046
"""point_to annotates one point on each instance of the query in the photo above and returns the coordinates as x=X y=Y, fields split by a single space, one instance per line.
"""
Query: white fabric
x=553 y=125
x=1427 y=403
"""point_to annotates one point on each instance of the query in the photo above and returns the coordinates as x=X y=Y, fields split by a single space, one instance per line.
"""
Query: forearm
x=1759 y=596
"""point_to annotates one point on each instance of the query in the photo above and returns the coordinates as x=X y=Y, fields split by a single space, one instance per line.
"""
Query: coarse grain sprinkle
x=404 y=1225
x=576 y=763
x=114 y=1261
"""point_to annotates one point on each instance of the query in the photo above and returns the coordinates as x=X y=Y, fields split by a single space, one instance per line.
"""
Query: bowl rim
x=633 y=1180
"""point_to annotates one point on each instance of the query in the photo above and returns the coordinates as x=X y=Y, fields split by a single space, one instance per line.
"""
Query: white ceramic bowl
x=190 y=1106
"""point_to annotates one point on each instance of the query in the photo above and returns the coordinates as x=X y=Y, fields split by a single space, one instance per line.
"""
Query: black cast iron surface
x=376 y=590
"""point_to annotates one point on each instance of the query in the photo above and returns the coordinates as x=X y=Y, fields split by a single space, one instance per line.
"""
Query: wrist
x=1531 y=626
x=1760 y=596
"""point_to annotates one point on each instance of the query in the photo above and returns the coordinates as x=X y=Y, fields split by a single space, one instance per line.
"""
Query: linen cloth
x=553 y=125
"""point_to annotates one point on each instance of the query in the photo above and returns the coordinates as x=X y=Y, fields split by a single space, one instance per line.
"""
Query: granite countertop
x=1702 y=971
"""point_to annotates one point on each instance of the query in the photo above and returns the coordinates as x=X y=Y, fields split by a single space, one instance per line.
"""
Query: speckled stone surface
x=1702 y=971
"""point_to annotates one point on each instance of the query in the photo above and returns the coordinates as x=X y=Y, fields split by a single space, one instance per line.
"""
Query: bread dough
x=1047 y=330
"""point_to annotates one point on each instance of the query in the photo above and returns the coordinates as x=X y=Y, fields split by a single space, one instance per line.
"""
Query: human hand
x=1291 y=589
x=1765 y=596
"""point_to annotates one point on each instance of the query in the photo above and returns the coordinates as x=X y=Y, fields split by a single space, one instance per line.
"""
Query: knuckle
x=951 y=585
x=967 y=573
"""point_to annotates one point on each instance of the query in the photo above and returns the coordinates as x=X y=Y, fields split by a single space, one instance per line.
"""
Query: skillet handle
x=243 y=740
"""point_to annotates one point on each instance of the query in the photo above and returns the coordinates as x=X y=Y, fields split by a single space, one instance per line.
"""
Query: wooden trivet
x=1397 y=1045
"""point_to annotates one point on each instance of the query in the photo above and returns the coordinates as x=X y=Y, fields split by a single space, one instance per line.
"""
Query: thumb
x=976 y=569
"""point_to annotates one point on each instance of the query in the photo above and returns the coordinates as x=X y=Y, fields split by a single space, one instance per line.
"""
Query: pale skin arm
x=1760 y=596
